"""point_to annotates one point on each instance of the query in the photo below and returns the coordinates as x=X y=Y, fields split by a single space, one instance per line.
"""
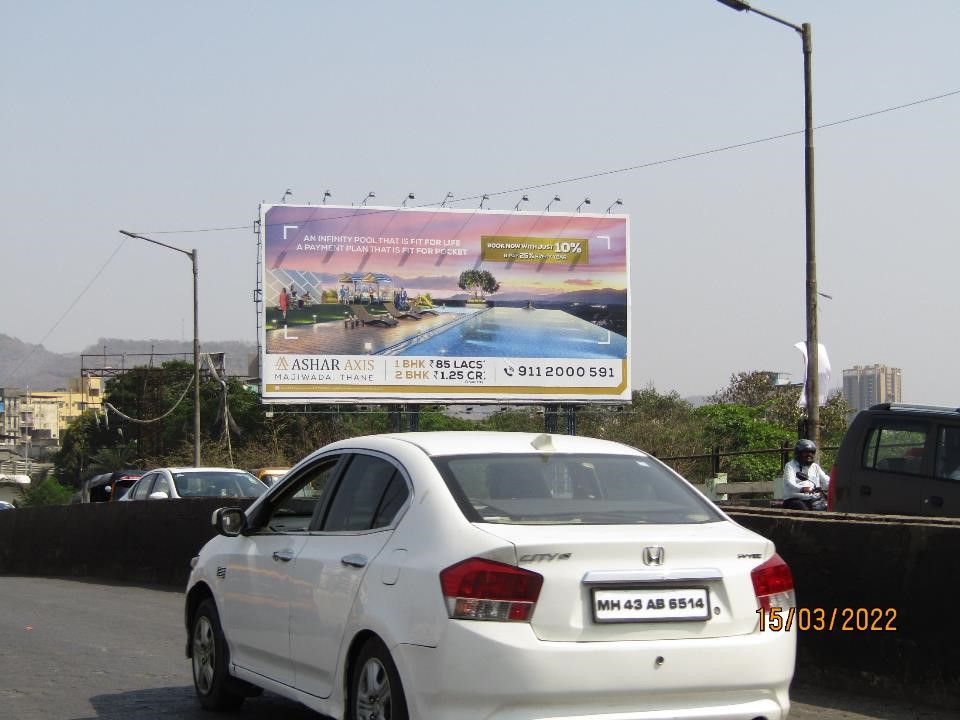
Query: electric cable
x=631 y=168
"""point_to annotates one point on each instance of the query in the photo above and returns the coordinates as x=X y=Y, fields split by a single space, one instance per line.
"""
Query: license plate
x=649 y=605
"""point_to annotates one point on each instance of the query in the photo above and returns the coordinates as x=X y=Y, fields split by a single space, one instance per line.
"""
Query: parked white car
x=178 y=482
x=489 y=575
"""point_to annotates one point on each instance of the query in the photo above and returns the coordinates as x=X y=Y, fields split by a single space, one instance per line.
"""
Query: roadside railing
x=717 y=486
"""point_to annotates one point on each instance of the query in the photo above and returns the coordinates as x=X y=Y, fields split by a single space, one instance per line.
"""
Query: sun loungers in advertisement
x=366 y=318
x=414 y=311
x=401 y=314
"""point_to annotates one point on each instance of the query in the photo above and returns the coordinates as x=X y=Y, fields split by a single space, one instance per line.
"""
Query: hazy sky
x=183 y=116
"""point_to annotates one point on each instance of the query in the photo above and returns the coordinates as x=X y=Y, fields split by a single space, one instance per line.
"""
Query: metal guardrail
x=21 y=467
x=716 y=455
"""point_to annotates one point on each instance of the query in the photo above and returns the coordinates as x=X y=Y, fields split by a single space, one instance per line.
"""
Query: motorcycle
x=816 y=500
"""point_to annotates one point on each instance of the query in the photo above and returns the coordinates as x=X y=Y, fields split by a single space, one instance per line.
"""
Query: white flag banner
x=823 y=373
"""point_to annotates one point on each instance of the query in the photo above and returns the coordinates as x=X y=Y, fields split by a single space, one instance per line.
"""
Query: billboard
x=382 y=305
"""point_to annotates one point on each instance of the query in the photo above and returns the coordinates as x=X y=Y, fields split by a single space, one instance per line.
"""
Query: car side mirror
x=158 y=495
x=229 y=521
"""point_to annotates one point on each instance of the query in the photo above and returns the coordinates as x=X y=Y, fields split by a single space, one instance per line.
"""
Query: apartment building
x=26 y=413
x=866 y=385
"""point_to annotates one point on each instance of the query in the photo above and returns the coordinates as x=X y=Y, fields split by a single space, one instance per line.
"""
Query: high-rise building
x=866 y=385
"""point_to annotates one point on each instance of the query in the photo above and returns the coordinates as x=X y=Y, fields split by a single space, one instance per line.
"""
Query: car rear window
x=561 y=489
x=218 y=484
x=895 y=446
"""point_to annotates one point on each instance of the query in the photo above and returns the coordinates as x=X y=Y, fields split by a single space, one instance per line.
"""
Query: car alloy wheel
x=204 y=655
x=209 y=660
x=377 y=692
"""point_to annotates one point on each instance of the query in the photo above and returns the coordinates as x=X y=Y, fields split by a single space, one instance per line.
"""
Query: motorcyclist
x=805 y=484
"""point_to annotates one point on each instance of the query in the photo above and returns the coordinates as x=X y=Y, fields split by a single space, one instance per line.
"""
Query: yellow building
x=54 y=410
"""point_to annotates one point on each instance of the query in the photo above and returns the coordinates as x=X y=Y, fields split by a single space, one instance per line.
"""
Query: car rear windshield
x=217 y=484
x=562 y=489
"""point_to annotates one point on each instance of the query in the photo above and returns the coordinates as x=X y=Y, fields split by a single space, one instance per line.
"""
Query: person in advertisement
x=284 y=303
x=805 y=484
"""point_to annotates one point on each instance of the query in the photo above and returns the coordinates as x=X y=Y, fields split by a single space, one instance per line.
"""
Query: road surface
x=72 y=650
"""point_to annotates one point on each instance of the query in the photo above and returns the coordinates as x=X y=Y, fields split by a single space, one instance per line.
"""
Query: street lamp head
x=738 y=5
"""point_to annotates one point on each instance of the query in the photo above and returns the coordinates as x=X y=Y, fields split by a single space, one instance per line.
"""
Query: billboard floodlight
x=556 y=198
x=524 y=199
x=586 y=201
x=618 y=201
x=370 y=194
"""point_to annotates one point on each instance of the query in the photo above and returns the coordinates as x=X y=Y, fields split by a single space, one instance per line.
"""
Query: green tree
x=738 y=428
x=47 y=492
x=78 y=444
x=657 y=423
x=479 y=282
x=524 y=420
x=108 y=459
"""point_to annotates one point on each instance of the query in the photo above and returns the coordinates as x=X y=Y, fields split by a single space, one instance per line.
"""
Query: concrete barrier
x=148 y=542
x=852 y=564
x=878 y=573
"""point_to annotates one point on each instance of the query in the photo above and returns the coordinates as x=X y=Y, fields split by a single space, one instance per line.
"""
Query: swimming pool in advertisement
x=521 y=333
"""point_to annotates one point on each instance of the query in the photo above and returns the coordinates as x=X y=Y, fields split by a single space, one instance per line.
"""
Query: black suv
x=899 y=460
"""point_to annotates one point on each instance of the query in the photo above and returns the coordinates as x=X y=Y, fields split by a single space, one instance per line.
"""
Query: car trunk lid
x=619 y=582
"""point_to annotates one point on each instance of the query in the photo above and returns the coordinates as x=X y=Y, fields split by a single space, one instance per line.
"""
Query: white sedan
x=489 y=575
x=180 y=482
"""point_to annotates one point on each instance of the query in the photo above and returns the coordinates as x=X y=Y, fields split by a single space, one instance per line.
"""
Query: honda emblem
x=653 y=555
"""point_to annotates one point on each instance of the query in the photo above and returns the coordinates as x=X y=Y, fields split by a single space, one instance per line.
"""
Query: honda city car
x=174 y=483
x=458 y=575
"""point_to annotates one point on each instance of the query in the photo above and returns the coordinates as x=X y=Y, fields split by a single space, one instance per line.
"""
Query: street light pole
x=813 y=344
x=192 y=254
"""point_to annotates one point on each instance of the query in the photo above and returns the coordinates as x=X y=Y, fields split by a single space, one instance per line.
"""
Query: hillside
x=27 y=366
x=23 y=365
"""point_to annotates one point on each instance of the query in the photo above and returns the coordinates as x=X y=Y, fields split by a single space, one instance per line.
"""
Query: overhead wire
x=525 y=188
x=638 y=166
x=66 y=312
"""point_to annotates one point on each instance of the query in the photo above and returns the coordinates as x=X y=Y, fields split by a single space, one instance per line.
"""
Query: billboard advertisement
x=381 y=305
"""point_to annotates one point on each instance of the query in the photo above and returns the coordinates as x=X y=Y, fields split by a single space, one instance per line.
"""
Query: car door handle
x=283 y=555
x=357 y=561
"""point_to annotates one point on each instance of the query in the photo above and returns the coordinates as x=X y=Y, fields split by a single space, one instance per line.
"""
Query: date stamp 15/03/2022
x=848 y=619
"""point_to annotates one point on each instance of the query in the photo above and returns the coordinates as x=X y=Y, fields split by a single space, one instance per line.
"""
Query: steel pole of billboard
x=393 y=412
x=571 y=419
x=813 y=345
x=550 y=418
x=413 y=418
x=192 y=254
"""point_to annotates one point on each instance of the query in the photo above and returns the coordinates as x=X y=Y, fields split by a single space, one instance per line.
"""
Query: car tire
x=210 y=660
x=376 y=692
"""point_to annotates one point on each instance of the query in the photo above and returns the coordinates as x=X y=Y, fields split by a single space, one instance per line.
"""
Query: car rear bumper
x=501 y=671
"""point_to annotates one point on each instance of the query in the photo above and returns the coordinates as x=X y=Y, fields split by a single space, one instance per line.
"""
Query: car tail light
x=773 y=584
x=831 y=496
x=478 y=589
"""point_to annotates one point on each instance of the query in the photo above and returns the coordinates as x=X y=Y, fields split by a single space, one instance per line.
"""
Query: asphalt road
x=73 y=650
